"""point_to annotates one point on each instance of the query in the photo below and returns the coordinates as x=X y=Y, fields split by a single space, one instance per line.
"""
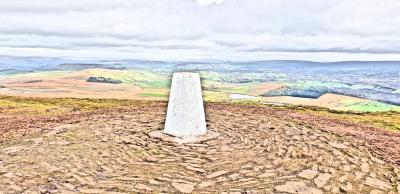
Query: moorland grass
x=48 y=106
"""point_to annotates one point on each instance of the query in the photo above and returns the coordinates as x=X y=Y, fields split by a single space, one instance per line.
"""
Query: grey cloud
x=206 y=26
x=336 y=50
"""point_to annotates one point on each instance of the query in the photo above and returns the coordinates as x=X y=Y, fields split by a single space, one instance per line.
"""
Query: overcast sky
x=326 y=30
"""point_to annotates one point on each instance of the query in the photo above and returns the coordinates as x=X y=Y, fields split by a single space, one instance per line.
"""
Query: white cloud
x=202 y=28
x=209 y=2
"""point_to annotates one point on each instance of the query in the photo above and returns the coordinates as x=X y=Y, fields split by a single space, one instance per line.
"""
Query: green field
x=216 y=86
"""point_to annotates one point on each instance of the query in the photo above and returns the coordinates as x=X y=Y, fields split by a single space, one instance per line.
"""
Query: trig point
x=185 y=115
x=185 y=121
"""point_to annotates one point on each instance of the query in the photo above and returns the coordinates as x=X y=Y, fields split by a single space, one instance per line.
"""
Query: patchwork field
x=100 y=83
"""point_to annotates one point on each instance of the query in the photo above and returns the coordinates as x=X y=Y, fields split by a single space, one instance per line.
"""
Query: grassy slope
x=49 y=106
x=54 y=106
x=389 y=120
x=37 y=75
x=370 y=106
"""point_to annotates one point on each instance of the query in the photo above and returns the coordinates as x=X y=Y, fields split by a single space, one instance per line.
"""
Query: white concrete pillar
x=185 y=114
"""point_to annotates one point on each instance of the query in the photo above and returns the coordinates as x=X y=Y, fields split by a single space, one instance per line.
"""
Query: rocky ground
x=260 y=150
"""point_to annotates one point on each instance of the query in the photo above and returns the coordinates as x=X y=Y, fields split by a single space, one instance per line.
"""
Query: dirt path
x=258 y=152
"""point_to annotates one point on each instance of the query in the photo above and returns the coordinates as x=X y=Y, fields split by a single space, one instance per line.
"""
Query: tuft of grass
x=145 y=94
x=211 y=96
x=388 y=119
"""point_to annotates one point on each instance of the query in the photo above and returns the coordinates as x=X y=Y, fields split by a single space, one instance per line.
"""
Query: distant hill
x=81 y=66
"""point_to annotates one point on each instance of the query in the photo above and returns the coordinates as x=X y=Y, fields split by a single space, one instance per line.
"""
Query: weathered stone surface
x=151 y=159
x=206 y=184
x=359 y=175
x=246 y=152
x=234 y=176
x=15 y=187
x=377 y=183
x=69 y=186
x=195 y=169
x=346 y=188
x=376 y=191
x=297 y=188
x=337 y=145
x=154 y=182
x=322 y=179
x=183 y=187
x=364 y=167
x=163 y=179
x=266 y=175
x=91 y=191
x=216 y=174
x=343 y=178
x=308 y=174
x=8 y=174
x=12 y=150
x=143 y=187
x=379 y=161
x=210 y=135
x=60 y=143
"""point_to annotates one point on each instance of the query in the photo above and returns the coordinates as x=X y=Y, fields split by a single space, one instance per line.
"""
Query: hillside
x=102 y=146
